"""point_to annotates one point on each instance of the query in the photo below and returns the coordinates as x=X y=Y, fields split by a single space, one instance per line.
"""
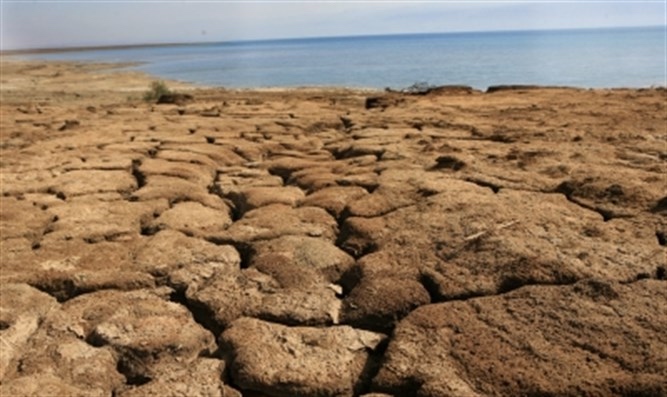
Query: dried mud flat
x=329 y=242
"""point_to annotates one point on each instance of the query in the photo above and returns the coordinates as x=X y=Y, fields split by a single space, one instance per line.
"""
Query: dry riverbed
x=329 y=242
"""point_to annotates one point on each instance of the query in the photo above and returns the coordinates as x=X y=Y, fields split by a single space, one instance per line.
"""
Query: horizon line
x=77 y=48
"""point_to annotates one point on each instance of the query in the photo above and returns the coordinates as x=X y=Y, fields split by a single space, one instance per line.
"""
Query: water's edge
x=602 y=58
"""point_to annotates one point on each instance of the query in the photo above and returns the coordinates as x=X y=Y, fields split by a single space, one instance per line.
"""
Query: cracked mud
x=329 y=242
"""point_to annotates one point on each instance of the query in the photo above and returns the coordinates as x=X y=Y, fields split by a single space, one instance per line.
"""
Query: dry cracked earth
x=329 y=242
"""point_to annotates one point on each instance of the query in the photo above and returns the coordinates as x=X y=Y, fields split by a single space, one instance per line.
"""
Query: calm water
x=628 y=57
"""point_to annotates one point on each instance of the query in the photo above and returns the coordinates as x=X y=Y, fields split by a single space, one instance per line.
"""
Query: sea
x=589 y=58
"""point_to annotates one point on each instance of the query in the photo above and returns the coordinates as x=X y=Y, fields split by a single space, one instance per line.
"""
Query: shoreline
x=490 y=88
x=116 y=67
x=36 y=51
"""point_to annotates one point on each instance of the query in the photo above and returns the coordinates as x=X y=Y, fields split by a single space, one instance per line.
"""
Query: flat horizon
x=38 y=50
x=27 y=25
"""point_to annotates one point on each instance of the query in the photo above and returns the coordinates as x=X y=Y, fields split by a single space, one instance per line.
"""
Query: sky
x=72 y=23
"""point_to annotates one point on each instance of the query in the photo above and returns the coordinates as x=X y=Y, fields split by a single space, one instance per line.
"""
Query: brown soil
x=329 y=242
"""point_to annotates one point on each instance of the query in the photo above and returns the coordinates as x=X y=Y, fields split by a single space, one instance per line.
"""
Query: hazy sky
x=58 y=23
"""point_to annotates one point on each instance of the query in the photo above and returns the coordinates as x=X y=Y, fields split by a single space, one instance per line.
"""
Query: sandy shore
x=328 y=242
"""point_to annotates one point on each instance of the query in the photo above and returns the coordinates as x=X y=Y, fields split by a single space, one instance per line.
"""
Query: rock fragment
x=203 y=377
x=192 y=218
x=276 y=220
x=22 y=309
x=377 y=303
x=300 y=361
x=537 y=340
x=169 y=251
x=256 y=197
x=226 y=297
x=303 y=252
x=334 y=199
x=97 y=343
x=96 y=221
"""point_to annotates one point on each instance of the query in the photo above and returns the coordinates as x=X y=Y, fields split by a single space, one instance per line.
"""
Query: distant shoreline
x=93 y=48
x=54 y=50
